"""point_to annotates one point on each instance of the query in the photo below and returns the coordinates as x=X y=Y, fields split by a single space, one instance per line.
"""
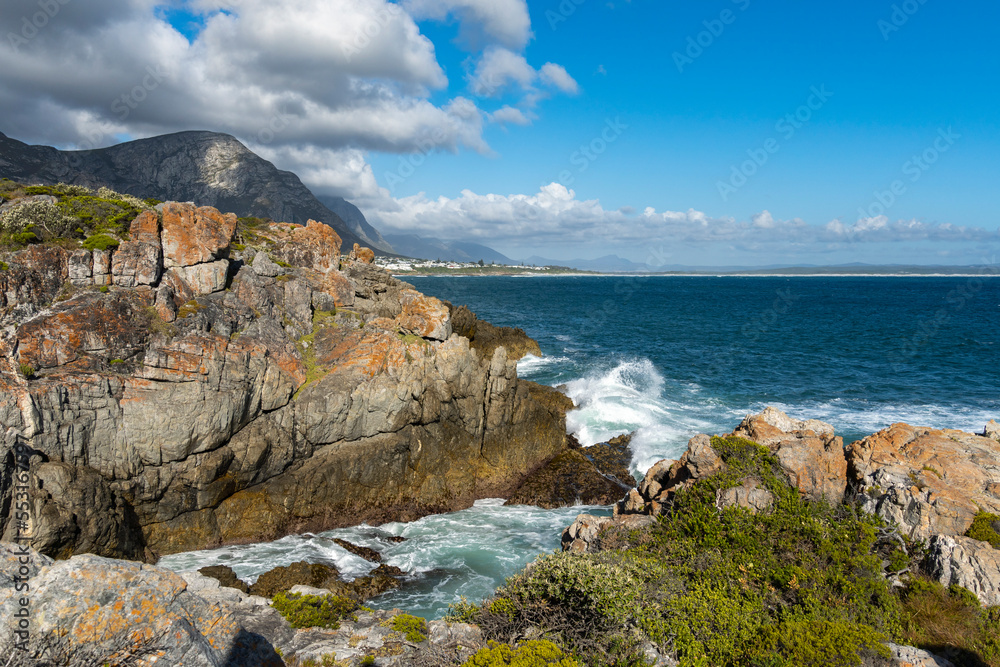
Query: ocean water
x=670 y=357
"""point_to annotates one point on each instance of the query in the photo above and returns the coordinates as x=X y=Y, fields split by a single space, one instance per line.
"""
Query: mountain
x=207 y=167
x=355 y=220
x=412 y=245
x=606 y=264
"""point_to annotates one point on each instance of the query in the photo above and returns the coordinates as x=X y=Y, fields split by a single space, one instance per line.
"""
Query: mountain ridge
x=211 y=168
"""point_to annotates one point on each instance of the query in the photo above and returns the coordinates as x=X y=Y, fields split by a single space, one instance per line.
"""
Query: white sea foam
x=467 y=553
x=530 y=364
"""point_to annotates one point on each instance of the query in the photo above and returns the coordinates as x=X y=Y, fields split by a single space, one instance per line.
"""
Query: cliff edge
x=208 y=380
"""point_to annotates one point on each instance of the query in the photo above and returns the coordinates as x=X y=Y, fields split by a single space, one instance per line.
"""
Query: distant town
x=404 y=266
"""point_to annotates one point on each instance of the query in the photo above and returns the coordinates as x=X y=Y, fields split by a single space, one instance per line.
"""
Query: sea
x=668 y=357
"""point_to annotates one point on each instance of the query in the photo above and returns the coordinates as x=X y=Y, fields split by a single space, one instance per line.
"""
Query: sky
x=723 y=132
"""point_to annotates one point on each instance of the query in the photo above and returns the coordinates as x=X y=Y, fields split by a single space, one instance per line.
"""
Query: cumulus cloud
x=504 y=22
x=556 y=215
x=508 y=115
x=557 y=76
x=349 y=74
x=500 y=72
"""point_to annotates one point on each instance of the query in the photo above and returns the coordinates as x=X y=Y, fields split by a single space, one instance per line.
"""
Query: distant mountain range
x=206 y=167
x=411 y=245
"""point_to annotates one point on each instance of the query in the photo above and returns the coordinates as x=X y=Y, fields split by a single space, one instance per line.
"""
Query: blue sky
x=729 y=131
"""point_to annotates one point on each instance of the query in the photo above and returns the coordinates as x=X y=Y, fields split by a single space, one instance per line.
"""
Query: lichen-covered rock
x=927 y=481
x=966 y=562
x=220 y=415
x=808 y=451
x=747 y=495
x=93 y=610
x=582 y=535
x=992 y=430
x=191 y=235
x=361 y=254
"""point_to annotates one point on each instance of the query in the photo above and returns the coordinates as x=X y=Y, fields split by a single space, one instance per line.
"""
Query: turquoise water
x=670 y=357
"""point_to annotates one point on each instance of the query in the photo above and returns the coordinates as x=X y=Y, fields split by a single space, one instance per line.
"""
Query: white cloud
x=557 y=76
x=504 y=22
x=497 y=69
x=508 y=115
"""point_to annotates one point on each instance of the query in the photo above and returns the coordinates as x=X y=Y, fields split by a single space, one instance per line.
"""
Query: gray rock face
x=194 y=411
x=87 y=609
x=908 y=656
x=968 y=563
x=205 y=167
x=992 y=430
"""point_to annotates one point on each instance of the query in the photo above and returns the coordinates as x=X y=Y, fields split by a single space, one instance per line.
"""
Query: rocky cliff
x=209 y=168
x=207 y=381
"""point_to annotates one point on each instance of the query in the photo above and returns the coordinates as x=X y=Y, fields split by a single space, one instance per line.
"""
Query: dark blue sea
x=670 y=357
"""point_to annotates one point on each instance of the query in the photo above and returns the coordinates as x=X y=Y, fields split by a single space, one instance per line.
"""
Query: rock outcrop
x=927 y=481
x=205 y=384
x=968 y=563
x=92 y=610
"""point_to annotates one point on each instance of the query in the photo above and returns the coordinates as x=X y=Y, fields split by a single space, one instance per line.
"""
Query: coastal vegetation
x=803 y=583
x=313 y=611
x=66 y=214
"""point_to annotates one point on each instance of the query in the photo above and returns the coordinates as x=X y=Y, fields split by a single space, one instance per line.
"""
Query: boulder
x=92 y=610
x=584 y=534
x=992 y=430
x=136 y=264
x=486 y=337
x=81 y=273
x=225 y=576
x=568 y=479
x=281 y=579
x=424 y=316
x=262 y=265
x=199 y=279
x=749 y=495
x=613 y=458
x=907 y=656
x=192 y=235
x=314 y=246
x=966 y=562
x=808 y=451
x=927 y=481
x=363 y=255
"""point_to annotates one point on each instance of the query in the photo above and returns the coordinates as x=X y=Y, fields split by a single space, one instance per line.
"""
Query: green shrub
x=4 y=266
x=104 y=289
x=951 y=623
x=27 y=371
x=538 y=653
x=413 y=627
x=101 y=214
x=800 y=584
x=983 y=529
x=101 y=242
x=313 y=611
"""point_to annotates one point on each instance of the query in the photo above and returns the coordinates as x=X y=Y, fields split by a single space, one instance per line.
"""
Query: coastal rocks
x=582 y=535
x=927 y=481
x=992 y=430
x=225 y=576
x=907 y=656
x=486 y=337
x=192 y=236
x=747 y=495
x=808 y=451
x=93 y=610
x=373 y=633
x=75 y=510
x=218 y=415
x=966 y=562
x=281 y=579
x=368 y=554
x=568 y=479
x=613 y=458
x=363 y=255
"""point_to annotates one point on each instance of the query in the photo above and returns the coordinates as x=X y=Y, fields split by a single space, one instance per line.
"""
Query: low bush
x=801 y=584
x=984 y=528
x=101 y=242
x=313 y=611
x=413 y=628
x=951 y=623
x=529 y=654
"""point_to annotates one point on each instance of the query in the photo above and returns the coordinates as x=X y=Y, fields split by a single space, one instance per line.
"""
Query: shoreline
x=698 y=275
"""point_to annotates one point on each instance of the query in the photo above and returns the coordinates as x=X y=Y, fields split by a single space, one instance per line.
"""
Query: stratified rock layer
x=201 y=394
